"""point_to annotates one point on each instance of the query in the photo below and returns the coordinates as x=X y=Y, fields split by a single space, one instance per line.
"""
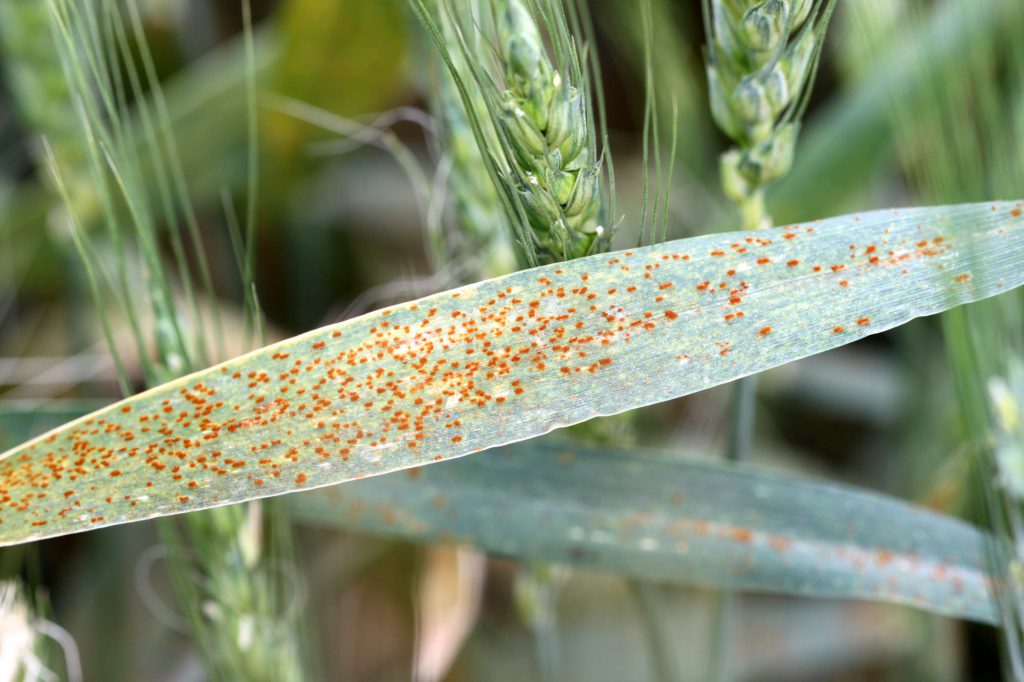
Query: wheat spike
x=537 y=137
x=486 y=237
x=761 y=60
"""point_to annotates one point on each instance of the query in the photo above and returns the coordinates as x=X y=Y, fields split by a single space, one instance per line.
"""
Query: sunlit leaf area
x=457 y=340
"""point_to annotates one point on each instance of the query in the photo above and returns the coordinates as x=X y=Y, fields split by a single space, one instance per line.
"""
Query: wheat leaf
x=505 y=360
x=655 y=516
x=651 y=516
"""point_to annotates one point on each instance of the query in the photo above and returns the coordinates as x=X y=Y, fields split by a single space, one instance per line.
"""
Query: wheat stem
x=226 y=580
x=761 y=61
x=533 y=157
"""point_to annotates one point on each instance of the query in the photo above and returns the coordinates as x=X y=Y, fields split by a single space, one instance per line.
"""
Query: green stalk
x=226 y=580
x=531 y=164
x=648 y=598
x=761 y=60
x=536 y=591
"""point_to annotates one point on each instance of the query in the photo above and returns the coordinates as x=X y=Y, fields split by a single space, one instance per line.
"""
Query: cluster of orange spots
x=740 y=534
x=402 y=378
x=422 y=381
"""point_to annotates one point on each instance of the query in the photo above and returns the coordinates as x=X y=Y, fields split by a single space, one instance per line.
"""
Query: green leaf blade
x=649 y=516
x=505 y=360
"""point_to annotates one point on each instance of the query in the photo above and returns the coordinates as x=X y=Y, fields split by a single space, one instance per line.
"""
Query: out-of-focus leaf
x=205 y=102
x=351 y=42
x=21 y=421
x=684 y=521
x=505 y=360
x=845 y=144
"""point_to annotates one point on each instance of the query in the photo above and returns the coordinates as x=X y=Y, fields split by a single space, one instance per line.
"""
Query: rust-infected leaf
x=686 y=521
x=505 y=360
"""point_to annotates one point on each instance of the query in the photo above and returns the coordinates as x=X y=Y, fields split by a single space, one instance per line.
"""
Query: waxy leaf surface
x=505 y=360
x=651 y=516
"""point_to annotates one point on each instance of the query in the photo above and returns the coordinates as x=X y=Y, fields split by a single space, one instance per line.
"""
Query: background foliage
x=915 y=102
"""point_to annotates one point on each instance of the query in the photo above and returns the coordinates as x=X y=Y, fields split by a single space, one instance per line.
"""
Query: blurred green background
x=340 y=232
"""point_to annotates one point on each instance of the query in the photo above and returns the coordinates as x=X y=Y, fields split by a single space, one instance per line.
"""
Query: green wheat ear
x=485 y=237
x=225 y=578
x=536 y=130
x=761 y=60
x=544 y=117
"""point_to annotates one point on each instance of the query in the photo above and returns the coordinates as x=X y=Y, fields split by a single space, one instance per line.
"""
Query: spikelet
x=23 y=649
x=17 y=636
x=543 y=117
x=1006 y=396
x=487 y=238
x=761 y=61
x=536 y=131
